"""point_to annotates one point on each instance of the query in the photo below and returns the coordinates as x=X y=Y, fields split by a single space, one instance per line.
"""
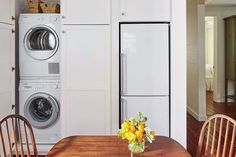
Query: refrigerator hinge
x=13 y=106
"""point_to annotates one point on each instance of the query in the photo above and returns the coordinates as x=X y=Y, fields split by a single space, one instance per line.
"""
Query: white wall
x=195 y=65
x=209 y=39
x=178 y=71
x=220 y=12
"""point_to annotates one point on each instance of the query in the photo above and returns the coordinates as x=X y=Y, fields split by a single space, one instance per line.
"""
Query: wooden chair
x=17 y=137
x=217 y=137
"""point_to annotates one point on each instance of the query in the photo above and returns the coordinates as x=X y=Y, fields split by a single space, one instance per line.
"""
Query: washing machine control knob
x=56 y=86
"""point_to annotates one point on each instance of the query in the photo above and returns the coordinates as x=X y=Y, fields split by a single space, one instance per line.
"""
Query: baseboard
x=195 y=115
x=222 y=100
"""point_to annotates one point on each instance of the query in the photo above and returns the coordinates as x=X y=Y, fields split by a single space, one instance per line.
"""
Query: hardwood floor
x=228 y=109
x=193 y=131
x=194 y=126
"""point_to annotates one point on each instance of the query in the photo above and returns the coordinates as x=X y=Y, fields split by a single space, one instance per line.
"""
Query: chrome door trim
x=51 y=120
x=40 y=27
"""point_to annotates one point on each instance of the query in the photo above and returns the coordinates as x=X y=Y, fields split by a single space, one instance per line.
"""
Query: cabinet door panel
x=7 y=11
x=7 y=76
x=145 y=59
x=155 y=108
x=145 y=10
x=86 y=113
x=86 y=11
x=85 y=79
x=87 y=57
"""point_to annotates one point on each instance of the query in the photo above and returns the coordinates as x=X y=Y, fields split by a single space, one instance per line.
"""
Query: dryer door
x=42 y=110
x=41 y=42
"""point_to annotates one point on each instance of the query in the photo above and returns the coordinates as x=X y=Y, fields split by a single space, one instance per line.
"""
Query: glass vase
x=136 y=147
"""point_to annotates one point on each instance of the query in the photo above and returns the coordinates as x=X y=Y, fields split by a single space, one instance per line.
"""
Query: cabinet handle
x=63 y=32
x=63 y=17
x=13 y=106
x=123 y=14
x=13 y=68
x=13 y=31
x=121 y=73
x=13 y=18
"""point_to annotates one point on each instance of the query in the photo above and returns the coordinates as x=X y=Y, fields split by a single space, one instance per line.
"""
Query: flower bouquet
x=136 y=131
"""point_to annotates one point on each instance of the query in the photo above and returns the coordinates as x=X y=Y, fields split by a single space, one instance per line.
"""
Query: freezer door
x=144 y=59
x=156 y=109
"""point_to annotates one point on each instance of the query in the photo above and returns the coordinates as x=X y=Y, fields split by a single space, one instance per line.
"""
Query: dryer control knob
x=53 y=19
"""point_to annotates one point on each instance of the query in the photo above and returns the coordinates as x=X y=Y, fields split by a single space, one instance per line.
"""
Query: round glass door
x=41 y=42
x=41 y=110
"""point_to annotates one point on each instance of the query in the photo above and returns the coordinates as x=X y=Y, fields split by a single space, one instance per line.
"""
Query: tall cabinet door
x=85 y=11
x=7 y=11
x=7 y=74
x=85 y=78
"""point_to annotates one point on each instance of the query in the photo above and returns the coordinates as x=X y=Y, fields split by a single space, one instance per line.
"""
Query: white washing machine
x=39 y=46
x=39 y=104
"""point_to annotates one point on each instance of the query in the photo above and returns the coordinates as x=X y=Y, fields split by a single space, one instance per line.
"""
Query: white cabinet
x=85 y=11
x=145 y=10
x=7 y=74
x=7 y=11
x=85 y=78
x=87 y=113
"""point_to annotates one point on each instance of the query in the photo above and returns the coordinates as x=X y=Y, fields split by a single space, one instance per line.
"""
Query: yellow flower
x=132 y=129
x=130 y=137
x=125 y=125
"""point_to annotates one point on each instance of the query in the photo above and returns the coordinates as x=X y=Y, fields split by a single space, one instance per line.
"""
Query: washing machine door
x=42 y=110
x=41 y=42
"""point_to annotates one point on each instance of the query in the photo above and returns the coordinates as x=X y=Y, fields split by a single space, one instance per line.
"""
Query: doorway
x=209 y=62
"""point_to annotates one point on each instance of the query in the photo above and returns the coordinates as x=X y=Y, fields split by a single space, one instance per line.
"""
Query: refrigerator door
x=144 y=59
x=156 y=109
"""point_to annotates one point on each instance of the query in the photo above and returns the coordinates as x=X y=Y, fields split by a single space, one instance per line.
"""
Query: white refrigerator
x=145 y=73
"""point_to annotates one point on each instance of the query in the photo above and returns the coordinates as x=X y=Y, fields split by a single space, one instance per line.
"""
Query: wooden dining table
x=113 y=146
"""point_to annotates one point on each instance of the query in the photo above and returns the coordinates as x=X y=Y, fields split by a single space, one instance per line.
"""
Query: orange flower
x=152 y=133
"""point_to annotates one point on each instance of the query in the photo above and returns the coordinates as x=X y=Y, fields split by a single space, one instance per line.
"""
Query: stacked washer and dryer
x=39 y=89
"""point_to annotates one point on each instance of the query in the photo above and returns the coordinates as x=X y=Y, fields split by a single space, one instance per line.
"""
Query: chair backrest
x=217 y=137
x=17 y=137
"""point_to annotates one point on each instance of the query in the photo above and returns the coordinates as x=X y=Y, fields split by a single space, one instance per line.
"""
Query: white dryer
x=39 y=104
x=39 y=46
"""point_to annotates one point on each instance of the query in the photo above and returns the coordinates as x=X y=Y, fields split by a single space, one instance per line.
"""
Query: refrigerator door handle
x=123 y=110
x=122 y=55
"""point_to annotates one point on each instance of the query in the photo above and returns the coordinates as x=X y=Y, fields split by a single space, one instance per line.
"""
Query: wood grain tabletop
x=113 y=146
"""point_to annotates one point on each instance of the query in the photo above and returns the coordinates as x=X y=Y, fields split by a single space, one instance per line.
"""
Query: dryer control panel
x=36 y=86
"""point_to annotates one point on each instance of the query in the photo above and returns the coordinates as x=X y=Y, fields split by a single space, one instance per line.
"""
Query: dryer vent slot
x=53 y=68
